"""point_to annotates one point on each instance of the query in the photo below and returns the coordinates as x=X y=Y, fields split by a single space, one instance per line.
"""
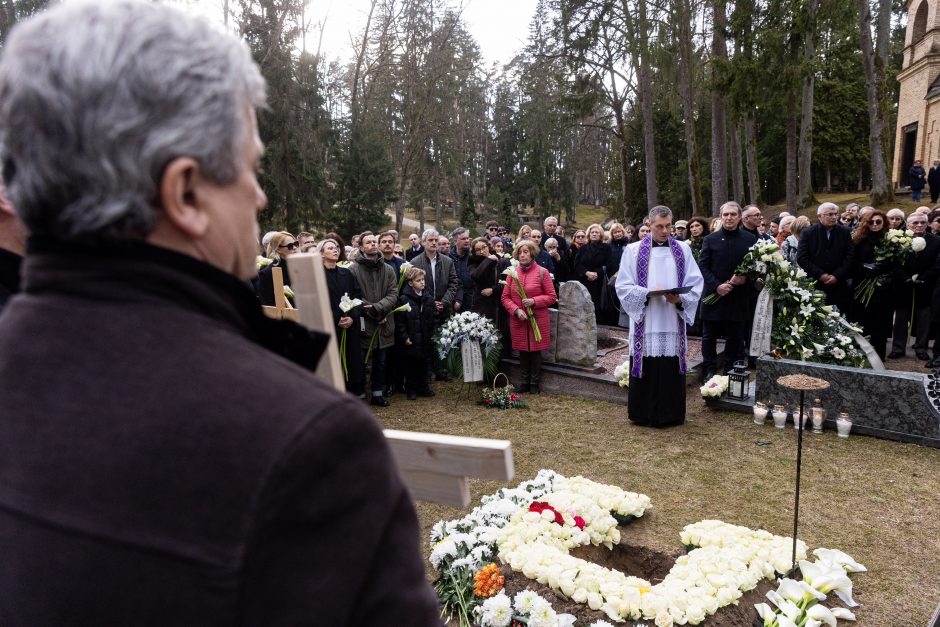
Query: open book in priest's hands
x=675 y=290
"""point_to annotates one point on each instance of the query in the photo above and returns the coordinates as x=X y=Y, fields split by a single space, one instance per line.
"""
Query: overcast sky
x=499 y=26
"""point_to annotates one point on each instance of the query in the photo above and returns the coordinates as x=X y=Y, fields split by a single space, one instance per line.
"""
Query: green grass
x=875 y=499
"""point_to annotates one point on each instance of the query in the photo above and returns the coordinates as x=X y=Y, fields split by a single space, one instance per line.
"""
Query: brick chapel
x=918 y=130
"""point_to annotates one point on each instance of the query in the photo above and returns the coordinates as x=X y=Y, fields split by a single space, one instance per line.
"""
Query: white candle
x=780 y=416
x=844 y=425
x=760 y=413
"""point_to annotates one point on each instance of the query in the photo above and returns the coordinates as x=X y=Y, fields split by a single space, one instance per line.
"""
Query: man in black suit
x=826 y=254
x=416 y=247
x=920 y=289
x=722 y=251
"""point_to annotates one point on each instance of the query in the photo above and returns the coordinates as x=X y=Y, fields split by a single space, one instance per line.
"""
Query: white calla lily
x=835 y=556
x=822 y=614
x=766 y=614
x=844 y=614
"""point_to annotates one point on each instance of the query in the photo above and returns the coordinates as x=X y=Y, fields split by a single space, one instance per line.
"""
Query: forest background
x=619 y=104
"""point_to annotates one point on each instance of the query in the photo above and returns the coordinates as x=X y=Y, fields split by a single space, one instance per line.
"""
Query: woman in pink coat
x=537 y=284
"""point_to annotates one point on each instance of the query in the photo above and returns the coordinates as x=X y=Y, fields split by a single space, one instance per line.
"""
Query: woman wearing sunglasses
x=280 y=246
x=875 y=315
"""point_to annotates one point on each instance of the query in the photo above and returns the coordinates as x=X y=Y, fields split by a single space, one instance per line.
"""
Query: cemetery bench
x=435 y=467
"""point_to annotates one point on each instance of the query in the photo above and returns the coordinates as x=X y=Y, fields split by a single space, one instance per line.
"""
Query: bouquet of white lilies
x=346 y=304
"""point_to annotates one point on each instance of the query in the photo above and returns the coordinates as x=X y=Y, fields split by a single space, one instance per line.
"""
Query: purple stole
x=639 y=327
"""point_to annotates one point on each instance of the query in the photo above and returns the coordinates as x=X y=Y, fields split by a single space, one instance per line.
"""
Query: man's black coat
x=722 y=251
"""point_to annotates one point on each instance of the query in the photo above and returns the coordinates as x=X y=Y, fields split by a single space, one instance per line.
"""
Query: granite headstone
x=576 y=335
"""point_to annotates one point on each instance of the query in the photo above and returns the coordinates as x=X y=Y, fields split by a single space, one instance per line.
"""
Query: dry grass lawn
x=874 y=499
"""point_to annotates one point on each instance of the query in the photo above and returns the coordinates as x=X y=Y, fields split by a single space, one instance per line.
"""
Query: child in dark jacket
x=413 y=330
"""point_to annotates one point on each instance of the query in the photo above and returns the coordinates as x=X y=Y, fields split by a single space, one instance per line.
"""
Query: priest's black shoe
x=379 y=401
x=895 y=355
x=426 y=393
x=923 y=356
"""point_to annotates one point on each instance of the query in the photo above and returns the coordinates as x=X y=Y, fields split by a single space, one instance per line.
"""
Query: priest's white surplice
x=661 y=336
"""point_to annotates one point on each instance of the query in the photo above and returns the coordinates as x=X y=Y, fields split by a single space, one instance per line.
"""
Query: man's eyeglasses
x=290 y=246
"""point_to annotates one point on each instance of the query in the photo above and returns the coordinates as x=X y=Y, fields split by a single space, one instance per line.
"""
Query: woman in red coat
x=536 y=282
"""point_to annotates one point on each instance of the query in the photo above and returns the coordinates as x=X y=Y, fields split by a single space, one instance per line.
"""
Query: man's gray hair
x=730 y=203
x=826 y=206
x=660 y=211
x=96 y=98
x=429 y=233
x=460 y=230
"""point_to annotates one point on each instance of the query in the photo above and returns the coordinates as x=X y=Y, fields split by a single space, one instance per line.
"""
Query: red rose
x=559 y=519
x=538 y=506
x=579 y=522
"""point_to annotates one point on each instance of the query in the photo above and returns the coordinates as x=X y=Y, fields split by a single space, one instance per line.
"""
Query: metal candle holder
x=802 y=383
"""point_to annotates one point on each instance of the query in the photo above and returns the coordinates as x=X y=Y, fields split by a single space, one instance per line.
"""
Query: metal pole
x=799 y=459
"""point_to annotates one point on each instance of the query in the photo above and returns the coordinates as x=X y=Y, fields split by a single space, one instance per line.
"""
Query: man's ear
x=182 y=190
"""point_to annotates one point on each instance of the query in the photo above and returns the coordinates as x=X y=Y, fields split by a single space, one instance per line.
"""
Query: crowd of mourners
x=439 y=275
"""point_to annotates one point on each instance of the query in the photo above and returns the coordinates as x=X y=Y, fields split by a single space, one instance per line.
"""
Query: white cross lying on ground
x=434 y=467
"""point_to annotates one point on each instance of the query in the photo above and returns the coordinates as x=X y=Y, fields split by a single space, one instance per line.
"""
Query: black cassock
x=658 y=398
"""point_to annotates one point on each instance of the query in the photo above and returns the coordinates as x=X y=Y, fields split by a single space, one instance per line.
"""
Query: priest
x=658 y=322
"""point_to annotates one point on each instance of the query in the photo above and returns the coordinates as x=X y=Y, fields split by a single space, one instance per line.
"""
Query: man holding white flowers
x=722 y=251
x=658 y=323
x=379 y=287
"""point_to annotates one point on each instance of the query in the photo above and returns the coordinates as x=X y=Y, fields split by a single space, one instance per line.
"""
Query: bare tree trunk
x=737 y=167
x=875 y=60
x=646 y=104
x=791 y=157
x=805 y=156
x=421 y=226
x=683 y=19
x=719 y=108
x=624 y=166
x=750 y=149
x=828 y=188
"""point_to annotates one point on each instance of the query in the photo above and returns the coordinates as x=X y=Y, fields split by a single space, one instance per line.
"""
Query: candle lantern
x=760 y=413
x=780 y=416
x=844 y=425
x=737 y=381
x=818 y=412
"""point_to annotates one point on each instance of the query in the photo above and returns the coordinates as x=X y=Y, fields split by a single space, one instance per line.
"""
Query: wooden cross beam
x=435 y=467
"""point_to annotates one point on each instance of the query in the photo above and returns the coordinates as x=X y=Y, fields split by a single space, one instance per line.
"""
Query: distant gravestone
x=576 y=336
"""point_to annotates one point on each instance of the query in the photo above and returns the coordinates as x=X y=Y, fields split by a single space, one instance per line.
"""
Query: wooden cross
x=434 y=467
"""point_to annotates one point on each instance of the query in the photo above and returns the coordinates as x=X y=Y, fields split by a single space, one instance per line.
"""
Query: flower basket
x=504 y=397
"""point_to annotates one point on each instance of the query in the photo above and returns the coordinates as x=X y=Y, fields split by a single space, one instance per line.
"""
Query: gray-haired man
x=166 y=455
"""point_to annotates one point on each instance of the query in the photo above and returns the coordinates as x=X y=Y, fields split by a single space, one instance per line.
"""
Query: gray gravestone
x=576 y=337
x=550 y=354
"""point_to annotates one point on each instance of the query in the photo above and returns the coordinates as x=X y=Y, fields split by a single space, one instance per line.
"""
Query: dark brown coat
x=160 y=465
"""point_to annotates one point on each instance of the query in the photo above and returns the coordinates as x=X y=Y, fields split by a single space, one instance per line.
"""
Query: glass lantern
x=737 y=381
